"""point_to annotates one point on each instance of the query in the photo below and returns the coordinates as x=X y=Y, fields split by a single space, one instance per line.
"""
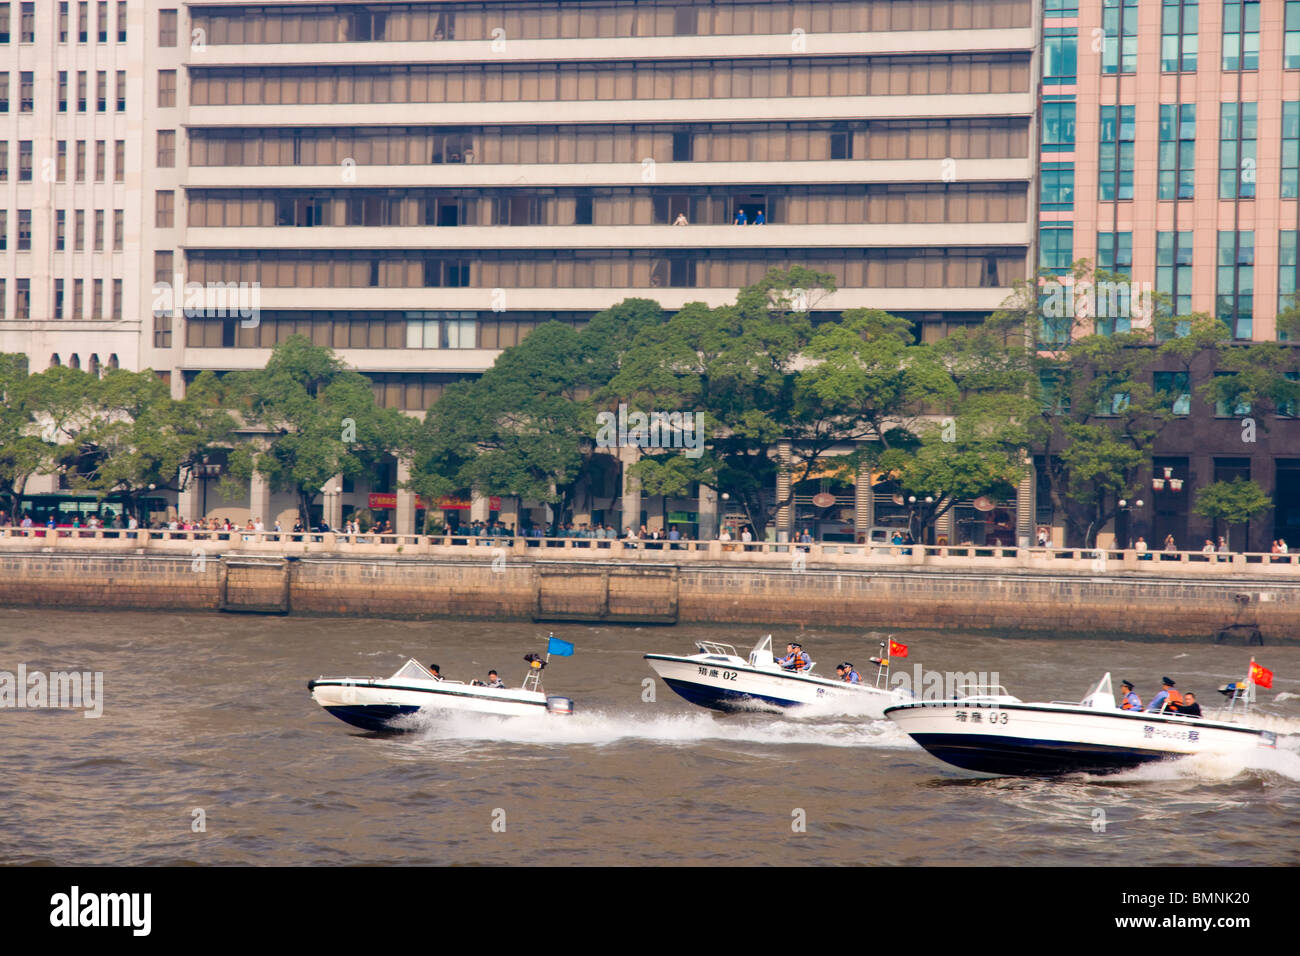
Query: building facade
x=1170 y=152
x=419 y=184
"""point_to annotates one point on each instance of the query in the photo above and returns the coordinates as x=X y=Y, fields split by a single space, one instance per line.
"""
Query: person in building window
x=681 y=220
x=741 y=219
x=760 y=218
x=1128 y=699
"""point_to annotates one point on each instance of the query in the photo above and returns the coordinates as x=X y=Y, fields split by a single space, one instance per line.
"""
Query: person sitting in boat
x=433 y=670
x=848 y=674
x=1189 y=707
x=492 y=681
x=1167 y=699
x=1128 y=699
x=795 y=660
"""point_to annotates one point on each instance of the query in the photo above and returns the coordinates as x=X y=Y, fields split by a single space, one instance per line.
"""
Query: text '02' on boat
x=374 y=703
x=989 y=731
x=718 y=677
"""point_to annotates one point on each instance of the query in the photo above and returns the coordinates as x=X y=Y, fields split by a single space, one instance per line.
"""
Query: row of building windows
x=63 y=306
x=735 y=142
x=1234 y=268
x=1179 y=42
x=75 y=20
x=1176 y=154
x=936 y=268
x=644 y=80
x=423 y=22
x=800 y=205
x=89 y=161
x=82 y=102
x=98 y=233
x=1172 y=389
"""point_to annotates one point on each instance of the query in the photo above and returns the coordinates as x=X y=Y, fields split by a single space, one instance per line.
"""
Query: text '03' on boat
x=375 y=703
x=718 y=677
x=989 y=731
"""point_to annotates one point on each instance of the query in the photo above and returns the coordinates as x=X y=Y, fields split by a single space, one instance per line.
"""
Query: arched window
x=54 y=360
x=93 y=367
x=112 y=360
x=75 y=361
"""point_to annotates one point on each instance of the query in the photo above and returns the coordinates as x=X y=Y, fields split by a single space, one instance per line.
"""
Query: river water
x=211 y=751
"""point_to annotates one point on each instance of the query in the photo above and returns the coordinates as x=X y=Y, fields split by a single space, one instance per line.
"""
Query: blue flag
x=559 y=648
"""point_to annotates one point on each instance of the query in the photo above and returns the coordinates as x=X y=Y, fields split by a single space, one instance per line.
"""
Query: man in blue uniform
x=1128 y=699
x=795 y=659
x=1167 y=694
x=848 y=674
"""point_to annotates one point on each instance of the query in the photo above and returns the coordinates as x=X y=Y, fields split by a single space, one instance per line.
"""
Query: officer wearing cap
x=1128 y=699
x=1168 y=696
x=848 y=674
x=795 y=659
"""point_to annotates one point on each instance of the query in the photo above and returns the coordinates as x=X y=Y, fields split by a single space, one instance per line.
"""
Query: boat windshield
x=413 y=669
x=1100 y=695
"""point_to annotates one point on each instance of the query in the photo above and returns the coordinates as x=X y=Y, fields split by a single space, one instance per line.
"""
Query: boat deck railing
x=714 y=649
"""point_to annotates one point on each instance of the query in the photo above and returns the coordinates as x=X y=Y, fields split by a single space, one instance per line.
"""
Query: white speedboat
x=373 y=703
x=989 y=731
x=719 y=678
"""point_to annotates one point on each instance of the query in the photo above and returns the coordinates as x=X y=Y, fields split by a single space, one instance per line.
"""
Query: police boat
x=376 y=704
x=987 y=730
x=718 y=677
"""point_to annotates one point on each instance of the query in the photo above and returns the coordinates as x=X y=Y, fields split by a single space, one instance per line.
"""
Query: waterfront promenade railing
x=758 y=554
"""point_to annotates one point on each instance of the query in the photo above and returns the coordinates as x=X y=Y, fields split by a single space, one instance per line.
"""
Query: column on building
x=259 y=500
x=708 y=513
x=1027 y=507
x=785 y=513
x=629 y=455
x=480 y=506
x=945 y=526
x=332 y=502
x=864 y=504
x=187 y=498
x=405 y=516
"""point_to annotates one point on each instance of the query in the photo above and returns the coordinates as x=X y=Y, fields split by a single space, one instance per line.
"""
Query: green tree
x=1232 y=502
x=1098 y=415
x=311 y=418
x=527 y=426
x=139 y=440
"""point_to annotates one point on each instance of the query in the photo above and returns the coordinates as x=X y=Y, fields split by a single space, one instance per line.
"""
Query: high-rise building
x=1170 y=153
x=419 y=184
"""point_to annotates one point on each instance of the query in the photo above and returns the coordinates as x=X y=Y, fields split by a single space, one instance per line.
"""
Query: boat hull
x=730 y=687
x=376 y=704
x=1046 y=739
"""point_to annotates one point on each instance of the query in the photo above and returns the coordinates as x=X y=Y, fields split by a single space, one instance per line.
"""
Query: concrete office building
x=418 y=185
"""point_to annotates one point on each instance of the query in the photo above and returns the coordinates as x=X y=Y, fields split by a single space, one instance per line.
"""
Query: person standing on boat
x=795 y=660
x=1128 y=699
x=1167 y=698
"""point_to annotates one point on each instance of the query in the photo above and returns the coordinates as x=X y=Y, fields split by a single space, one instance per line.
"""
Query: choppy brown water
x=212 y=712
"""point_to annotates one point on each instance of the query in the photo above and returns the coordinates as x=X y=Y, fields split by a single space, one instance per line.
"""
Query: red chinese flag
x=900 y=650
x=1262 y=676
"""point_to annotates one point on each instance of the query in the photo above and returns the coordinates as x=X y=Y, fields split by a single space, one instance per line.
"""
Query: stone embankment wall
x=1003 y=600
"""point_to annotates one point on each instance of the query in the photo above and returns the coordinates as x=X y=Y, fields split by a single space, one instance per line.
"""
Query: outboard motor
x=559 y=705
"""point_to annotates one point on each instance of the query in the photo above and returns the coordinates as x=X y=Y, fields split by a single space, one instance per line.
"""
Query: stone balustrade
x=682 y=553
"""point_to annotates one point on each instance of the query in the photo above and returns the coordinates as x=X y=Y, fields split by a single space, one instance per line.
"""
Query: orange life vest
x=1174 y=699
